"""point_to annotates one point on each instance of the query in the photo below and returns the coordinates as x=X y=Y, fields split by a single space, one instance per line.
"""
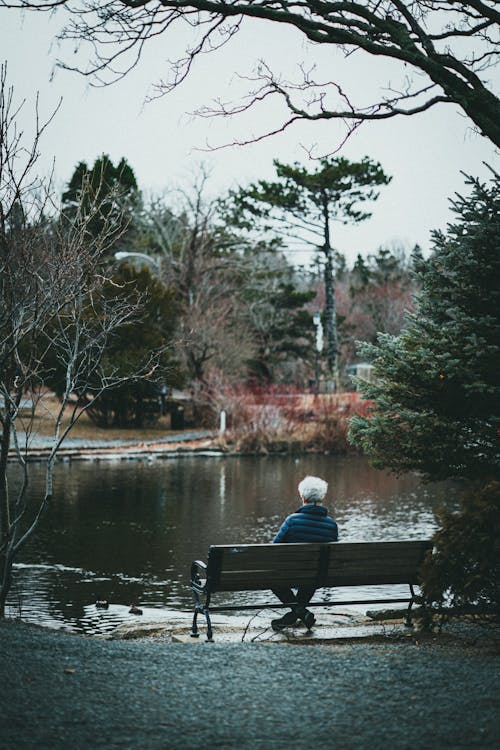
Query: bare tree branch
x=425 y=36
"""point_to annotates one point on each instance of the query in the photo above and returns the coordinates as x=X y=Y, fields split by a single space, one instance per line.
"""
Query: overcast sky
x=425 y=155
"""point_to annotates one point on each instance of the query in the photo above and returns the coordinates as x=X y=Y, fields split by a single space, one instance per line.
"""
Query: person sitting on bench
x=309 y=523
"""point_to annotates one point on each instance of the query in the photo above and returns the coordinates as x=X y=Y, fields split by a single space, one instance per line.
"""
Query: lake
x=127 y=531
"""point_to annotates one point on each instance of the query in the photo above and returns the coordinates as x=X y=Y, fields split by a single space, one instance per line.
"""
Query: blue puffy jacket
x=309 y=523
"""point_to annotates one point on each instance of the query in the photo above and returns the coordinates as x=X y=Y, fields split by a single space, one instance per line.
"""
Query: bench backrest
x=251 y=567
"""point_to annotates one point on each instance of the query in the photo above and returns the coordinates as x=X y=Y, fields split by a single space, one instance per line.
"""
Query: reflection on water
x=127 y=532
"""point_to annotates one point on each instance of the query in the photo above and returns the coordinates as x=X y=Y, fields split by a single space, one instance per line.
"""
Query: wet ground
x=333 y=627
x=255 y=627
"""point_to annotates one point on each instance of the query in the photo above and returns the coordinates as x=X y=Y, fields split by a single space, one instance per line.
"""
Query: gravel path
x=64 y=691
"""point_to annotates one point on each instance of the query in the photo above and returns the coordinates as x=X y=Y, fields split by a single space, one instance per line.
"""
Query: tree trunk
x=6 y=579
x=332 y=353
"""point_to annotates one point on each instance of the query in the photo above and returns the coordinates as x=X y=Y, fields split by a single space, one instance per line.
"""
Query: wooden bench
x=254 y=567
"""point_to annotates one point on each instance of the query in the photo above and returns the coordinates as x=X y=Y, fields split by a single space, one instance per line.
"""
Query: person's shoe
x=286 y=621
x=306 y=616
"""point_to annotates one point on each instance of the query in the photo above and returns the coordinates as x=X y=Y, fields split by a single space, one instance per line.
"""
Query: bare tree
x=236 y=291
x=445 y=47
x=203 y=262
x=55 y=313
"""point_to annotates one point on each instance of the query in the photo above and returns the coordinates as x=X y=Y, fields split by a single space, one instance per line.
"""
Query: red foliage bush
x=283 y=419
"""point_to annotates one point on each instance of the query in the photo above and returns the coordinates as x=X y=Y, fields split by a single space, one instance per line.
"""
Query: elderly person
x=309 y=523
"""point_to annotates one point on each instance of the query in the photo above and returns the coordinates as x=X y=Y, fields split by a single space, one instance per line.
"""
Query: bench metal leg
x=209 y=624
x=408 y=620
x=201 y=609
x=194 y=630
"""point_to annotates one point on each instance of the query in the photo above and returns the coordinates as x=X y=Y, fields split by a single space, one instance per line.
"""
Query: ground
x=70 y=691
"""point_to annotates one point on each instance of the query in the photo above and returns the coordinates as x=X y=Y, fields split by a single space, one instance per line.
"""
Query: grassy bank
x=42 y=422
x=256 y=423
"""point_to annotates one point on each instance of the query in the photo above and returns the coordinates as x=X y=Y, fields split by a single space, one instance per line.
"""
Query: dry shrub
x=282 y=419
x=332 y=415
x=259 y=420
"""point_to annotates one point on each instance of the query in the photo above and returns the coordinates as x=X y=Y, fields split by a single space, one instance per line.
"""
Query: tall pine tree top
x=105 y=192
x=437 y=387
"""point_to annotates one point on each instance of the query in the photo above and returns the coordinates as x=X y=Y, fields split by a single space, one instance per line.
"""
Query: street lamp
x=123 y=255
x=318 y=348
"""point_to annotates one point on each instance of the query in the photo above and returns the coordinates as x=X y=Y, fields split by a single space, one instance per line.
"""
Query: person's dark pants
x=300 y=599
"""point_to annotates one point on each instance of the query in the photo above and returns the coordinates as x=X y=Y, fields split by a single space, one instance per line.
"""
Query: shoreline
x=348 y=628
x=80 y=449
x=334 y=630
x=192 y=443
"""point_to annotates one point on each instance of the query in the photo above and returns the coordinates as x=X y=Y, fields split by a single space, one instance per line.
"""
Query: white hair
x=313 y=489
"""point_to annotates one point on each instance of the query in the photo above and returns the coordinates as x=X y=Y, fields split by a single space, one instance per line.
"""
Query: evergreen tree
x=464 y=569
x=302 y=205
x=281 y=325
x=437 y=393
x=131 y=402
x=105 y=192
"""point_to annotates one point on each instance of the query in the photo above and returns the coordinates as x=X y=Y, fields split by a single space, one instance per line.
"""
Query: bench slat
x=271 y=579
x=235 y=583
x=311 y=562
x=292 y=564
x=339 y=549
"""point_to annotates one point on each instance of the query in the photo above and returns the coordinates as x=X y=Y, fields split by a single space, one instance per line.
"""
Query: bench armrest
x=198 y=567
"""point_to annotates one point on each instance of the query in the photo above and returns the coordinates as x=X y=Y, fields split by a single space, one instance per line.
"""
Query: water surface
x=127 y=532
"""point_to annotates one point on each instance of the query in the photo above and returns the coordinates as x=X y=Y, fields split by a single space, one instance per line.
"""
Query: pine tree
x=300 y=206
x=106 y=192
x=437 y=392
